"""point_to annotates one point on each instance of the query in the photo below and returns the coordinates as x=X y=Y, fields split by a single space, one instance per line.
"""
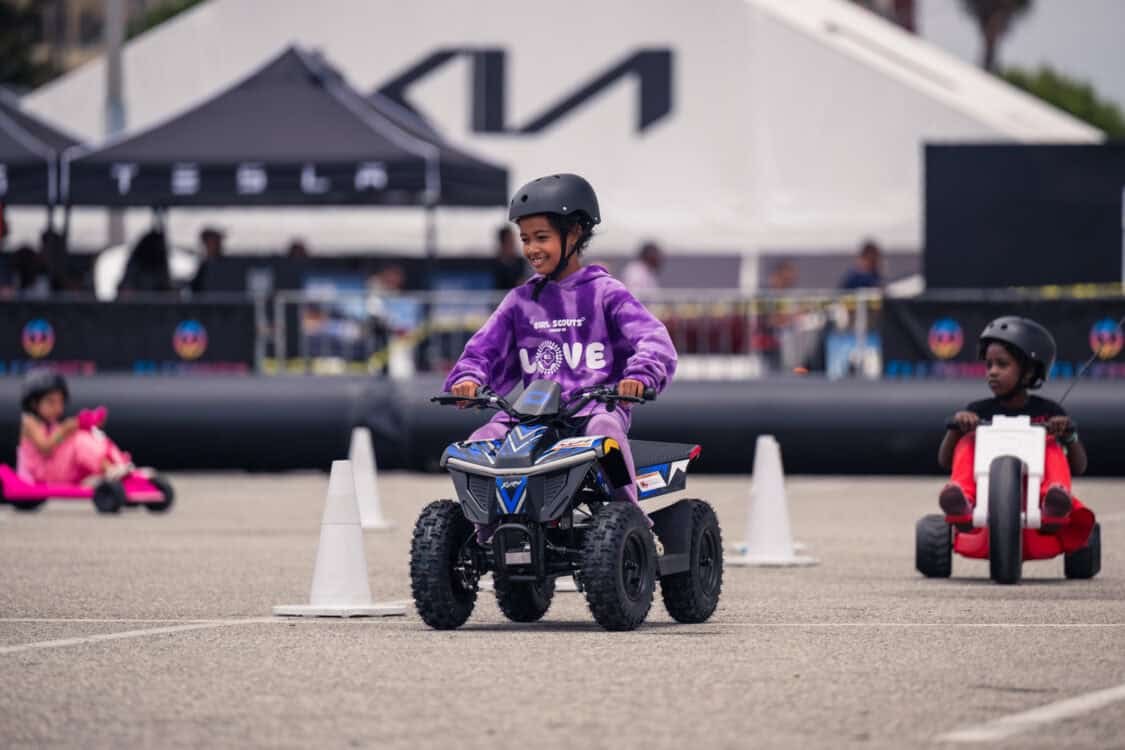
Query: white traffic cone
x=362 y=455
x=768 y=538
x=339 y=584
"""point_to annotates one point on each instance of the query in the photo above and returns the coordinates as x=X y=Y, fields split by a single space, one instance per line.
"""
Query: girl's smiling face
x=50 y=407
x=1004 y=374
x=541 y=245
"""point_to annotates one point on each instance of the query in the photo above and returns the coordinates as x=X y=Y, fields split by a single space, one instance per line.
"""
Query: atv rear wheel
x=619 y=566
x=442 y=598
x=26 y=506
x=1086 y=562
x=933 y=546
x=1005 y=530
x=523 y=601
x=691 y=596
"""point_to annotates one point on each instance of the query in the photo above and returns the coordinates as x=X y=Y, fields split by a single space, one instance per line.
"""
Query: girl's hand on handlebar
x=966 y=421
x=465 y=389
x=1059 y=426
x=630 y=387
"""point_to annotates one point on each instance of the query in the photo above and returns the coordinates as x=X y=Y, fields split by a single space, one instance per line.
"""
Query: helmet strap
x=564 y=261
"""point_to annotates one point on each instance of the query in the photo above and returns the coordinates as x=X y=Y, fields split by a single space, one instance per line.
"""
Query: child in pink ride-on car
x=54 y=450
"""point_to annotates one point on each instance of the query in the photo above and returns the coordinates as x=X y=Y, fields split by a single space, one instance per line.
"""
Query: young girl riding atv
x=570 y=323
x=549 y=484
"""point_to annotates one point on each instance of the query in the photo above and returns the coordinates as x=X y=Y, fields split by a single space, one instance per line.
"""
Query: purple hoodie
x=584 y=330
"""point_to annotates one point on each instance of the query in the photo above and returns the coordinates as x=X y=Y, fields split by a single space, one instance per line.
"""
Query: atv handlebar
x=486 y=398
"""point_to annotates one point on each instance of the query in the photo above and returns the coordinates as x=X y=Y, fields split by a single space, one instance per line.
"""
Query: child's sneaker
x=953 y=501
x=1056 y=503
x=117 y=472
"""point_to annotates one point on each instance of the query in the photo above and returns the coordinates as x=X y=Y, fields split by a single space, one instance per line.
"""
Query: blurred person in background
x=509 y=268
x=642 y=274
x=211 y=242
x=771 y=337
x=390 y=279
x=56 y=259
x=297 y=249
x=7 y=278
x=147 y=268
x=28 y=274
x=783 y=275
x=866 y=272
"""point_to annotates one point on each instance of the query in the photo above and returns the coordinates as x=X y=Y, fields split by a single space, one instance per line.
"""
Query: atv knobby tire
x=933 y=546
x=1005 y=530
x=691 y=596
x=523 y=601
x=1086 y=562
x=441 y=598
x=619 y=566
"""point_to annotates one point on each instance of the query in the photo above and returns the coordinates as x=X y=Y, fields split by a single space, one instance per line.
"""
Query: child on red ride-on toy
x=1018 y=355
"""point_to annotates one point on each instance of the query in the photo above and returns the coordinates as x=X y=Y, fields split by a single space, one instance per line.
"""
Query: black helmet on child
x=563 y=194
x=38 y=384
x=566 y=195
x=1025 y=335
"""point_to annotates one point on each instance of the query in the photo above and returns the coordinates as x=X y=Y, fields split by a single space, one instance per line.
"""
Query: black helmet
x=38 y=384
x=563 y=194
x=1027 y=336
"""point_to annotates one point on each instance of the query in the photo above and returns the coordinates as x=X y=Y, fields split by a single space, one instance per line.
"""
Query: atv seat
x=651 y=453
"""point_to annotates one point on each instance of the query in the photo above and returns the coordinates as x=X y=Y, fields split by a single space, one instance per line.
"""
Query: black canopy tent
x=292 y=133
x=29 y=150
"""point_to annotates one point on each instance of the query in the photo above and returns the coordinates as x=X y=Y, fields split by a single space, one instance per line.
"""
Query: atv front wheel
x=441 y=596
x=619 y=566
x=691 y=596
x=523 y=601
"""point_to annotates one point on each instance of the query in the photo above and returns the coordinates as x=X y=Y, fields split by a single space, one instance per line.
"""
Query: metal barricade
x=718 y=334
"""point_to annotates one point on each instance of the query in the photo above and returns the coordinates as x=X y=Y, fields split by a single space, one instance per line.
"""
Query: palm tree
x=994 y=17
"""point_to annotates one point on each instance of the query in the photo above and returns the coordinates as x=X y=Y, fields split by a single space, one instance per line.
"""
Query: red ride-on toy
x=109 y=496
x=1007 y=526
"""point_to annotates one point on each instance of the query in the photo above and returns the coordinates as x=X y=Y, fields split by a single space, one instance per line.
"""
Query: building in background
x=764 y=127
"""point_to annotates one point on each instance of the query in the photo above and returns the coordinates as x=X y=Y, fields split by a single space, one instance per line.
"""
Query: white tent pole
x=114 y=99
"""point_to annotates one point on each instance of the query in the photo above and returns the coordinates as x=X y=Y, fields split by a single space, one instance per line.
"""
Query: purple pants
x=613 y=425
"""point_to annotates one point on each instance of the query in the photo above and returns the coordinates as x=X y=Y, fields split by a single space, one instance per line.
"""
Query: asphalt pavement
x=144 y=630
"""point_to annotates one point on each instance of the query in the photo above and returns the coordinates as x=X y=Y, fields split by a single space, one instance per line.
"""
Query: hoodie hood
x=583 y=275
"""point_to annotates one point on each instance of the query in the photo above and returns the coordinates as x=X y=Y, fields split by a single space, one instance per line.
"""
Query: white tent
x=793 y=124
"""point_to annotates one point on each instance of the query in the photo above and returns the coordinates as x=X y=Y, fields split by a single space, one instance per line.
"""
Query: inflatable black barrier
x=291 y=422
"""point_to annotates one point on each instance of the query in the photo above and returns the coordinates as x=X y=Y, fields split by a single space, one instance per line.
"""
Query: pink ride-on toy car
x=155 y=493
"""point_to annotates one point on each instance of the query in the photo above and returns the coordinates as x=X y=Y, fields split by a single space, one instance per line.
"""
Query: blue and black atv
x=546 y=491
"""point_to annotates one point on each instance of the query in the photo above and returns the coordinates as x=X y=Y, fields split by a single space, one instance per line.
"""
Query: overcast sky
x=1083 y=38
